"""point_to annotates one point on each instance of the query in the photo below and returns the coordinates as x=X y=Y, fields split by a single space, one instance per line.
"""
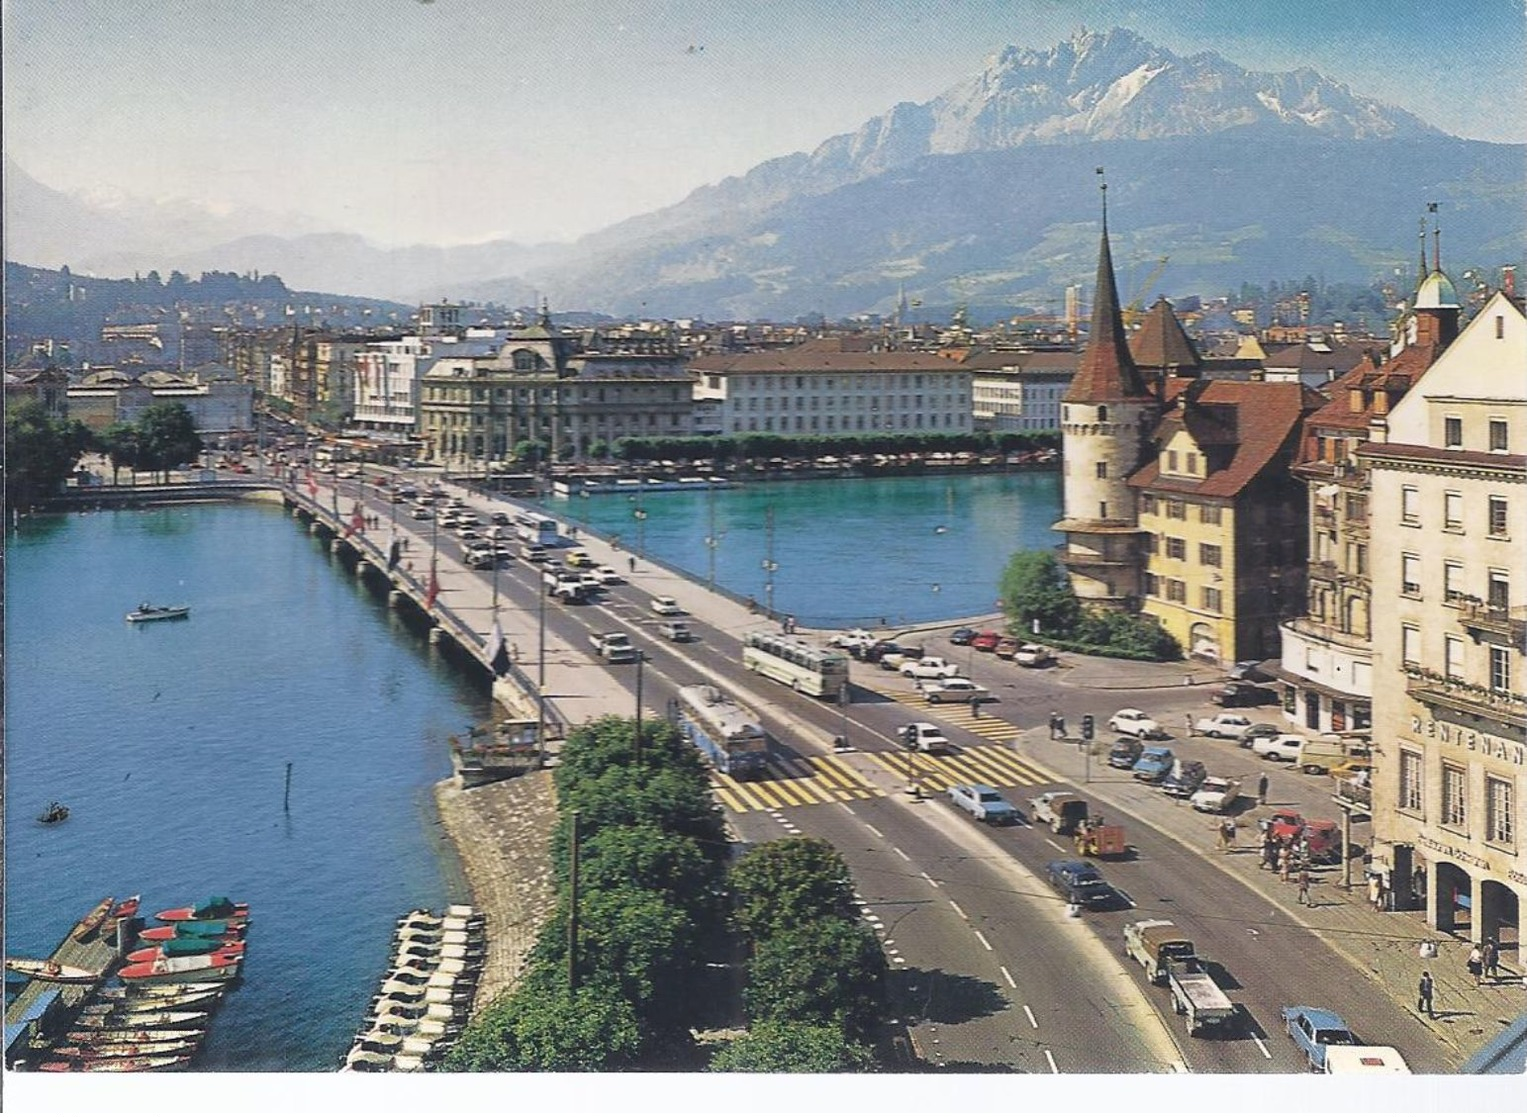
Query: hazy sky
x=449 y=121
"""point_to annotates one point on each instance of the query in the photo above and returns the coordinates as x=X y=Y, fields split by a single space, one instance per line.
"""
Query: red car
x=986 y=641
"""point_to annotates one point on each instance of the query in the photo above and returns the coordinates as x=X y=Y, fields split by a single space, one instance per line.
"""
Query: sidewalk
x=1385 y=945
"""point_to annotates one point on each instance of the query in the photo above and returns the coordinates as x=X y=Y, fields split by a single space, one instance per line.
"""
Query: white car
x=1283 y=746
x=1135 y=723
x=609 y=575
x=666 y=607
x=591 y=580
x=1216 y=794
x=1033 y=655
x=855 y=639
x=924 y=736
x=1226 y=726
x=952 y=690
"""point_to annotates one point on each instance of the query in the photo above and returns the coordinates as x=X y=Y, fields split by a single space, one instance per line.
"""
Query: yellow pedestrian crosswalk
x=804 y=781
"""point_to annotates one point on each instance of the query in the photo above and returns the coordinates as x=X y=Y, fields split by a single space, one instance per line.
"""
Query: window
x=1176 y=548
x=1454 y=796
x=1357 y=507
x=1410 y=575
x=1208 y=513
x=1192 y=463
x=1176 y=591
x=1211 y=599
x=1171 y=461
x=1148 y=504
x=1102 y=510
x=1499 y=826
x=1102 y=469
x=1452 y=432
x=1498 y=435
x=1209 y=554
x=1410 y=780
x=1410 y=505
x=1176 y=510
x=1152 y=543
x=1452 y=581
x=1152 y=585
x=1453 y=656
x=1500 y=669
x=1102 y=414
x=1452 y=511
x=1498 y=515
x=1498 y=595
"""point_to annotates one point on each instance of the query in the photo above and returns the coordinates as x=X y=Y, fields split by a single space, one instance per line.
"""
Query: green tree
x=785 y=883
x=167 y=437
x=787 y=1047
x=822 y=972
x=1035 y=587
x=529 y=451
x=119 y=442
x=647 y=856
x=543 y=1027
x=40 y=452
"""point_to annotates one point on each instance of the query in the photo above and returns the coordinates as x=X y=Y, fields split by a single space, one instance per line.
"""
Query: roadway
x=988 y=970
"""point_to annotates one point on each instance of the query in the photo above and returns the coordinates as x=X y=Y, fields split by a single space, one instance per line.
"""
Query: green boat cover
x=201 y=928
x=177 y=947
x=214 y=907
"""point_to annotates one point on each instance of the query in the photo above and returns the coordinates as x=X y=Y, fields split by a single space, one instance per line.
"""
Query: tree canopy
x=40 y=452
x=783 y=884
x=1034 y=587
x=167 y=437
x=787 y=1047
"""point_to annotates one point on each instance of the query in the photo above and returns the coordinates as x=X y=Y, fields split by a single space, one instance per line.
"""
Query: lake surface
x=850 y=551
x=169 y=742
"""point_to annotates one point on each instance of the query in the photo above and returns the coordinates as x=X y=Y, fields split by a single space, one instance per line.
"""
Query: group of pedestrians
x=1484 y=961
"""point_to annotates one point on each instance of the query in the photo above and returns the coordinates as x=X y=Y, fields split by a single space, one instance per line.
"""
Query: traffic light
x=1086 y=727
x=908 y=736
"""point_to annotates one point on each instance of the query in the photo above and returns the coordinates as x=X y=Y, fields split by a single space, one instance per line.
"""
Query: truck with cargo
x=1168 y=958
x=1061 y=811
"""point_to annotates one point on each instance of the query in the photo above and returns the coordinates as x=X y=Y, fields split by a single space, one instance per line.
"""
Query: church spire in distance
x=1107 y=371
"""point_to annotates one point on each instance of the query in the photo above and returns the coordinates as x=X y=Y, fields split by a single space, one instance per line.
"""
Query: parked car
x=1249 y=670
x=1225 y=726
x=1184 y=779
x=666 y=607
x=962 y=636
x=986 y=641
x=1125 y=751
x=1034 y=655
x=1315 y=1029
x=929 y=667
x=1282 y=746
x=952 y=690
x=1216 y=795
x=1154 y=764
x=1136 y=723
x=1006 y=648
x=1244 y=694
x=1255 y=730
x=854 y=641
x=1080 y=883
x=877 y=651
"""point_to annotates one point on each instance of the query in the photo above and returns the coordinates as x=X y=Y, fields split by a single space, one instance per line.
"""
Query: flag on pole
x=498 y=651
x=432 y=590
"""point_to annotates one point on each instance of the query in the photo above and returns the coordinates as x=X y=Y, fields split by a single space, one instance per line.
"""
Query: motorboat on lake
x=147 y=612
x=56 y=812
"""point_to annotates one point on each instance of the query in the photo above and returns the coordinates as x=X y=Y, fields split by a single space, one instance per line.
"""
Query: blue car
x=1315 y=1029
x=1154 y=764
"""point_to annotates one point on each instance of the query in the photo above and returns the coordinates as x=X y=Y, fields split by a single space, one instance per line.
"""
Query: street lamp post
x=769 y=565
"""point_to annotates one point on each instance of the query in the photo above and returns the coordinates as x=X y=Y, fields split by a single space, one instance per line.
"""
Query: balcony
x=1067 y=557
x=1434 y=689
x=1354 y=796
x=1320 y=632
x=1500 y=620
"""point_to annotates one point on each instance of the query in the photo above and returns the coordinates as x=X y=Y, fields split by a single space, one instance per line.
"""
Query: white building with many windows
x=1448 y=467
x=1019 y=390
x=838 y=385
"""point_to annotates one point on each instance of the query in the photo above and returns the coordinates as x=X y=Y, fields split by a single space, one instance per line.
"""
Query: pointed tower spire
x=1425 y=271
x=1107 y=371
x=1436 y=238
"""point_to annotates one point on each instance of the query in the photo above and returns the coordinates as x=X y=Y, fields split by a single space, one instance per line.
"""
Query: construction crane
x=1134 y=310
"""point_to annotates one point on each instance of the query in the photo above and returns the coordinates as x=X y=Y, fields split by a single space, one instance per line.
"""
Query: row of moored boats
x=426 y=996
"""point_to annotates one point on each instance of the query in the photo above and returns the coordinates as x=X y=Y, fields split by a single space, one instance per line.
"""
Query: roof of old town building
x=1107 y=373
x=827 y=354
x=1162 y=343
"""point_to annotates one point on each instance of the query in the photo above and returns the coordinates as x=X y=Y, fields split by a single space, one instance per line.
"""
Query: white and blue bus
x=533 y=527
x=819 y=672
x=729 y=734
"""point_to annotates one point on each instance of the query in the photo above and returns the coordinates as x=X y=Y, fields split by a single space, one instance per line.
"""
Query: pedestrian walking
x=1269 y=852
x=1492 y=960
x=1376 y=891
x=1285 y=862
x=1304 y=887
x=1187 y=722
x=1477 y=962
x=975 y=706
x=1262 y=790
x=1424 y=995
x=1060 y=727
x=1054 y=723
x=632 y=563
x=1230 y=832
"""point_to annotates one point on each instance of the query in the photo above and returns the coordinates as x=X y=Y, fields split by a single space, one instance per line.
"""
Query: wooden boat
x=146 y=1020
x=199 y=967
x=147 y=612
x=168 y=995
x=185 y=948
x=138 y=1063
x=56 y=812
x=86 y=1037
x=212 y=908
x=127 y=909
x=92 y=921
x=196 y=929
x=124 y=1050
x=45 y=969
x=367 y=1061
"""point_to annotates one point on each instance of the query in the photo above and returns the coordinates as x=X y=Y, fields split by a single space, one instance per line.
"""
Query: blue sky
x=459 y=120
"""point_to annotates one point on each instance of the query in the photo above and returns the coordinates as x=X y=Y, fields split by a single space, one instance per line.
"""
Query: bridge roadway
x=989 y=971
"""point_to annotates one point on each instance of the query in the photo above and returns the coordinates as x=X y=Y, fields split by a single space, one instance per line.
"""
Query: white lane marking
x=903 y=856
x=927 y=878
x=1180 y=1068
x=1056 y=844
x=1027 y=1011
x=873 y=831
x=1011 y=984
x=1258 y=1041
x=958 y=910
x=1051 y=1058
x=983 y=940
x=849 y=809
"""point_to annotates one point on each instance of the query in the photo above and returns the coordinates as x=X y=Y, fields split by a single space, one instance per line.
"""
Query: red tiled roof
x=1397 y=373
x=1107 y=373
x=1513 y=463
x=824 y=355
x=1266 y=419
x=1160 y=342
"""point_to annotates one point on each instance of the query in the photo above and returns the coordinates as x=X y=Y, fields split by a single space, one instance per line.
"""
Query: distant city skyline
x=459 y=121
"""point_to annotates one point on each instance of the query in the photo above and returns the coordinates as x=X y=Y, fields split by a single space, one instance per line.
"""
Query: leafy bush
x=828 y=971
x=783 y=884
x=788 y=1047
